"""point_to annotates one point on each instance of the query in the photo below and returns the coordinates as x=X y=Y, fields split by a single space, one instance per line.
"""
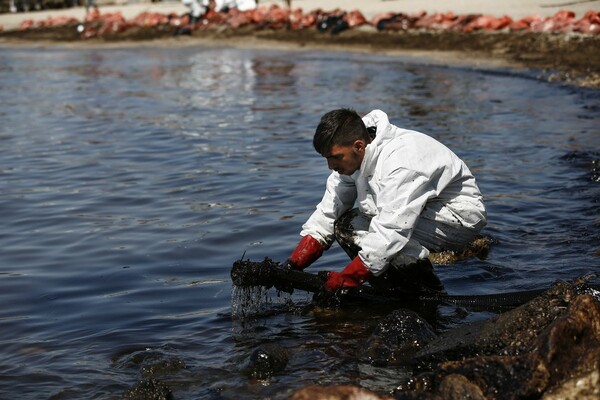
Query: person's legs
x=196 y=9
x=406 y=273
x=439 y=229
x=414 y=277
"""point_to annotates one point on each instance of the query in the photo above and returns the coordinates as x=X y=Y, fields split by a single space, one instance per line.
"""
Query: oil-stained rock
x=571 y=345
x=341 y=392
x=149 y=389
x=457 y=387
x=511 y=333
x=547 y=349
x=515 y=377
x=267 y=360
x=152 y=363
x=569 y=348
x=397 y=338
x=583 y=387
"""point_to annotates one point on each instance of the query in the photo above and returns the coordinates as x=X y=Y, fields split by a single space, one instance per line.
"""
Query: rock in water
x=564 y=358
x=397 y=338
x=149 y=389
x=267 y=360
x=510 y=333
x=548 y=348
x=341 y=392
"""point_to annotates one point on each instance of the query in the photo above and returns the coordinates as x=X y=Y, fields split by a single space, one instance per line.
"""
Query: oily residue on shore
x=565 y=47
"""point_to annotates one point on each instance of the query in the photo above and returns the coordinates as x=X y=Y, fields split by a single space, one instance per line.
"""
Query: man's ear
x=359 y=145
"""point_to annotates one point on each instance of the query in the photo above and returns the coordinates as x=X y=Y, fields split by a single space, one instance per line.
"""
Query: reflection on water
x=132 y=179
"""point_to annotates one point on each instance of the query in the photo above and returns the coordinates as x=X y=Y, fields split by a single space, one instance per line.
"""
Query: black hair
x=339 y=127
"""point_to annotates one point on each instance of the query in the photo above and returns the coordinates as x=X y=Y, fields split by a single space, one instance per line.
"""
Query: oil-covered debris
x=149 y=389
x=397 y=338
x=548 y=347
x=510 y=333
x=269 y=274
x=479 y=247
x=250 y=273
x=151 y=363
x=333 y=22
x=567 y=349
x=340 y=392
x=267 y=360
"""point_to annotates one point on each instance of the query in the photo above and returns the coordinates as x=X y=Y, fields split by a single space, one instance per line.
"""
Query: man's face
x=346 y=160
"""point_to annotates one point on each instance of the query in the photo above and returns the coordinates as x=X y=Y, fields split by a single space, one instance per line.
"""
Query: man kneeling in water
x=413 y=196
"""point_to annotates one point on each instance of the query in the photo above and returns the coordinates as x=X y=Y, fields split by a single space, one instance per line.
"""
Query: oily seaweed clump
x=479 y=247
x=251 y=273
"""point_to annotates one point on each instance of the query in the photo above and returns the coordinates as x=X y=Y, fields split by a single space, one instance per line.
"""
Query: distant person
x=394 y=195
x=241 y=5
x=91 y=5
x=197 y=9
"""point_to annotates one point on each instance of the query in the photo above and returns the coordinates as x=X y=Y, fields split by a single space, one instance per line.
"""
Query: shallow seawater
x=132 y=179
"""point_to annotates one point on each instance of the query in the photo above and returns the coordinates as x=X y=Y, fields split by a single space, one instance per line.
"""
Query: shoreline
x=571 y=59
x=514 y=8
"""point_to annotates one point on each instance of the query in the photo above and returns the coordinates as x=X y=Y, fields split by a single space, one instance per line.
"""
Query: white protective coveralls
x=197 y=7
x=416 y=193
x=242 y=5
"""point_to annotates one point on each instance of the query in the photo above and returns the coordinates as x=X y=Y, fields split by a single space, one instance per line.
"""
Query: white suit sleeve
x=402 y=197
x=340 y=195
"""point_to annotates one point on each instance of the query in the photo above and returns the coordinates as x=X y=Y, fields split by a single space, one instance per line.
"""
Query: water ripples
x=132 y=179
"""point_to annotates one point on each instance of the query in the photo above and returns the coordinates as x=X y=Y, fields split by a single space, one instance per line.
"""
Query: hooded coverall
x=197 y=8
x=242 y=5
x=413 y=195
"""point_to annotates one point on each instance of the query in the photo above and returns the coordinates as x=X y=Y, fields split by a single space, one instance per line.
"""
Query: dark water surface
x=131 y=180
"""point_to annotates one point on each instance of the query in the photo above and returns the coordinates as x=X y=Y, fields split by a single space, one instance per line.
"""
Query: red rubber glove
x=353 y=275
x=308 y=251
